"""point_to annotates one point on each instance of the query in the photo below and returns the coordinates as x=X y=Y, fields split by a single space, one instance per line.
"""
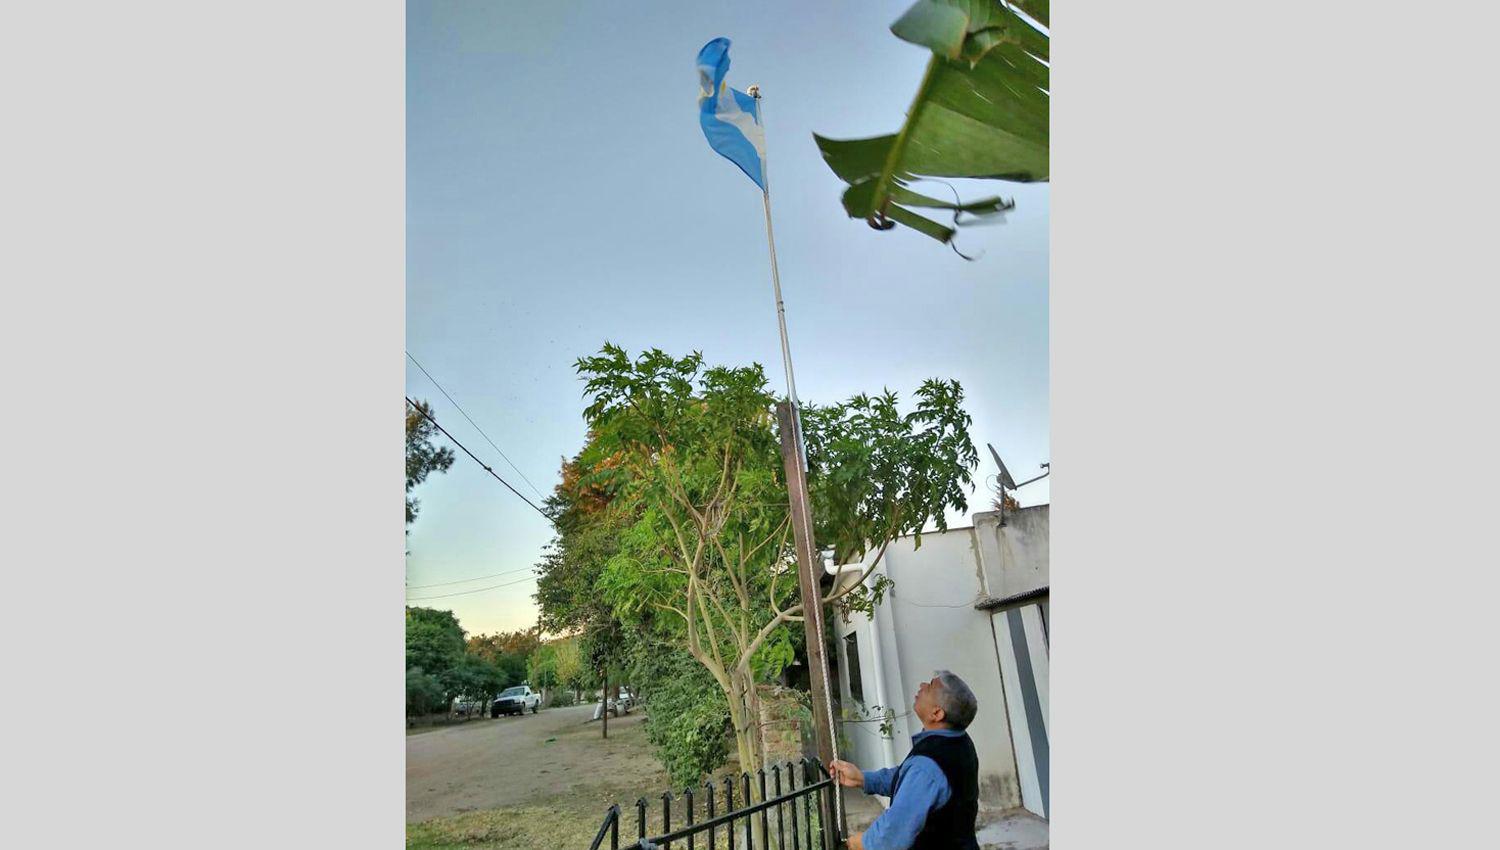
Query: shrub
x=560 y=699
x=687 y=716
x=424 y=693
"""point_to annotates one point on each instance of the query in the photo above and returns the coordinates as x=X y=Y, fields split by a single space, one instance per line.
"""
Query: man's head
x=945 y=701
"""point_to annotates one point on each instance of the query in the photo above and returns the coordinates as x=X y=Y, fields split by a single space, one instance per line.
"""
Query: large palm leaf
x=981 y=111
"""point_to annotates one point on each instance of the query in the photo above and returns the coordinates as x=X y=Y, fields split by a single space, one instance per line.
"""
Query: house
x=974 y=601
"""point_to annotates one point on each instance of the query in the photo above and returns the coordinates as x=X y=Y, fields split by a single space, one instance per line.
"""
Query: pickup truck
x=517 y=700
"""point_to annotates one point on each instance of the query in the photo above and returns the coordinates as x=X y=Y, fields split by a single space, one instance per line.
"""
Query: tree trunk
x=749 y=740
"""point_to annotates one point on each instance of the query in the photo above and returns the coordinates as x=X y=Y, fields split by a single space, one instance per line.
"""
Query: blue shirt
x=923 y=789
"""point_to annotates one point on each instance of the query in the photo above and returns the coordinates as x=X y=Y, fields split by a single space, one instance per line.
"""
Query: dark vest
x=950 y=826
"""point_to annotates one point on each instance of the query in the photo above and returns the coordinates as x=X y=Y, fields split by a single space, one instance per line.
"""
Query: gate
x=813 y=799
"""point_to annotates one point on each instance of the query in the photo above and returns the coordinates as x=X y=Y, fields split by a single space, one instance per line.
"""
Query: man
x=935 y=791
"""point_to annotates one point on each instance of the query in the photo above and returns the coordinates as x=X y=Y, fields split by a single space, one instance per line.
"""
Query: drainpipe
x=877 y=660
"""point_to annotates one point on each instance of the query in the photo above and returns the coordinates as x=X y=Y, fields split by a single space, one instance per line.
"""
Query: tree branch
x=837 y=594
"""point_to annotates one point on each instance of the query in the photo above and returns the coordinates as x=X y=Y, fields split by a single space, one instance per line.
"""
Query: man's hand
x=846 y=774
x=857 y=841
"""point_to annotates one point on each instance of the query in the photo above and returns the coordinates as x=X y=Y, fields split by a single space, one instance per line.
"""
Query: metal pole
x=765 y=176
x=786 y=348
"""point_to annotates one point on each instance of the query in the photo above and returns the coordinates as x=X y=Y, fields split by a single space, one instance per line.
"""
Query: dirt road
x=510 y=762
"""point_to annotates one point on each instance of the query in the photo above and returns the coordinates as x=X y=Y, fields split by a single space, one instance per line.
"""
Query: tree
x=875 y=474
x=692 y=458
x=424 y=693
x=472 y=676
x=508 y=651
x=589 y=523
x=521 y=642
x=569 y=664
x=434 y=640
x=422 y=457
x=981 y=111
x=541 y=668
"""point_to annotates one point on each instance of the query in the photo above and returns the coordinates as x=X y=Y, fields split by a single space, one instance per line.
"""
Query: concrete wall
x=1016 y=558
x=928 y=622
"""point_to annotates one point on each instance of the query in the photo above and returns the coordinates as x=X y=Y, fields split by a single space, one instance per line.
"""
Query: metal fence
x=789 y=818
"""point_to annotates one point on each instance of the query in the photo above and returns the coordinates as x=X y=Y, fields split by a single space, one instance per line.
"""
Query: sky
x=560 y=194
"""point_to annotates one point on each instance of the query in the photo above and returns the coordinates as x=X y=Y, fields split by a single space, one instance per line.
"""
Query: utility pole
x=808 y=566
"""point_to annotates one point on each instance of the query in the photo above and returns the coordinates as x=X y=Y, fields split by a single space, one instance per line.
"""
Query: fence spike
x=666 y=814
x=791 y=787
x=729 y=807
x=780 y=823
x=709 y=786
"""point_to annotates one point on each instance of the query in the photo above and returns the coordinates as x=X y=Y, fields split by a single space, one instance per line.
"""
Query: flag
x=730 y=120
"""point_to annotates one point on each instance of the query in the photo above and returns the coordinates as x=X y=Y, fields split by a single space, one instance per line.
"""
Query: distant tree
x=520 y=642
x=508 y=651
x=569 y=665
x=434 y=640
x=424 y=693
x=473 y=677
x=422 y=457
x=541 y=671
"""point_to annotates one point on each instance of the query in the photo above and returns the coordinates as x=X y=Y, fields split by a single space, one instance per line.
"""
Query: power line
x=463 y=580
x=476 y=590
x=435 y=383
x=429 y=418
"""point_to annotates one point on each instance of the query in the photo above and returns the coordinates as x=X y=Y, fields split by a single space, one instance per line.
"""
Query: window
x=851 y=658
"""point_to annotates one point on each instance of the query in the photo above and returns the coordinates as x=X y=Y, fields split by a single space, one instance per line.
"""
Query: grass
x=552 y=827
x=433 y=722
x=568 y=816
x=618 y=771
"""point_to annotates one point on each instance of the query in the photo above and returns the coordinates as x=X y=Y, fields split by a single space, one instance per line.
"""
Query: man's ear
x=939 y=715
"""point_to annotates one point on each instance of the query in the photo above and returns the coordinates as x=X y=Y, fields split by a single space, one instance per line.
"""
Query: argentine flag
x=729 y=118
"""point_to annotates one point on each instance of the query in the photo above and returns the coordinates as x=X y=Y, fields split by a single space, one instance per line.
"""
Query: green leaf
x=854 y=160
x=1037 y=9
x=938 y=27
x=902 y=215
x=981 y=111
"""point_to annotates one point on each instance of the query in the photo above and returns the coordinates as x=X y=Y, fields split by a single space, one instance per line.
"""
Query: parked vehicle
x=517 y=700
x=466 y=706
x=617 y=706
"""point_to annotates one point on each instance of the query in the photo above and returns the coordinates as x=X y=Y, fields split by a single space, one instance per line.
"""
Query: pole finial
x=754 y=91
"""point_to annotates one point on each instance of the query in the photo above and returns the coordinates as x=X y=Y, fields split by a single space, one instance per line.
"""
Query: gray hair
x=957 y=701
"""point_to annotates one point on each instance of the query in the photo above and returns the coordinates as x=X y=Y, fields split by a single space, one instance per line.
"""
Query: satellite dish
x=1004 y=479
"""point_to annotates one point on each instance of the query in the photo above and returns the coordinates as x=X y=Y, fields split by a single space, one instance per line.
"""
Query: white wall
x=928 y=622
x=1016 y=558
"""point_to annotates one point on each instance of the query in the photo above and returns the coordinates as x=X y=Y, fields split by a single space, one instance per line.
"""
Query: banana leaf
x=981 y=111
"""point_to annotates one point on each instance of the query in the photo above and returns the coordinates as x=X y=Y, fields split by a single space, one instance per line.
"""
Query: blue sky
x=560 y=194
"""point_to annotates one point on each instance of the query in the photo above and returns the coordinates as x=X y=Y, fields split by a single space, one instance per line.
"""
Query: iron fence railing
x=737 y=827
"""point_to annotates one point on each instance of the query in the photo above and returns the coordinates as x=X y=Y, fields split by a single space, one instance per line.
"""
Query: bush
x=424 y=693
x=686 y=718
x=560 y=699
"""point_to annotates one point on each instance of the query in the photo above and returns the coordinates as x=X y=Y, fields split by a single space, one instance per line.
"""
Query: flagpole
x=808 y=562
x=786 y=349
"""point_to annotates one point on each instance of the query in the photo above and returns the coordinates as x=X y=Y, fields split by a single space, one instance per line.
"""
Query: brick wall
x=788 y=734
